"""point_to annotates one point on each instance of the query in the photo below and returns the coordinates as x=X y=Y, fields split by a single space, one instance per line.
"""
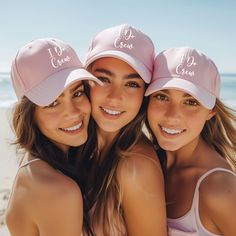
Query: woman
x=50 y=122
x=197 y=130
x=125 y=192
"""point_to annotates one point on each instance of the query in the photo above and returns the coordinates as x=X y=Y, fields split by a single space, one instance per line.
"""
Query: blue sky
x=208 y=25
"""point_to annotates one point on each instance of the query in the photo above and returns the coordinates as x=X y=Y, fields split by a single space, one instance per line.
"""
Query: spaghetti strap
x=28 y=162
x=210 y=172
x=195 y=196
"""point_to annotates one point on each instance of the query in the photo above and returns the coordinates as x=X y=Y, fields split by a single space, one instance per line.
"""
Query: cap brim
x=47 y=91
x=139 y=67
x=203 y=96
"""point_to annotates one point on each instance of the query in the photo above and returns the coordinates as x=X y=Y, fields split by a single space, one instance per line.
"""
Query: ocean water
x=228 y=90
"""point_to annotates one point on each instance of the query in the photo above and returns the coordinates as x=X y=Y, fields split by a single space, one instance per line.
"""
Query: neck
x=186 y=155
x=105 y=140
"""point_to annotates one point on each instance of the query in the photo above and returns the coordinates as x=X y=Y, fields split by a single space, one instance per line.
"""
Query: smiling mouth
x=72 y=128
x=171 y=131
x=111 y=112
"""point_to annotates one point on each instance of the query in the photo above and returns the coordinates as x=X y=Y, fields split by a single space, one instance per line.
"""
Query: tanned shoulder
x=218 y=194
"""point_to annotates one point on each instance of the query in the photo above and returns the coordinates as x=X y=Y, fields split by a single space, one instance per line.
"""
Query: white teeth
x=172 y=131
x=111 y=112
x=73 y=128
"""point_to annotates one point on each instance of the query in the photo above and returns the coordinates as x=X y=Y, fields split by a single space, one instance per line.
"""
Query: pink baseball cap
x=127 y=44
x=43 y=68
x=189 y=70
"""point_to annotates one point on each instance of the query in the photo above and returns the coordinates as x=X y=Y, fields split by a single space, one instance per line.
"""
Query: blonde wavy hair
x=220 y=133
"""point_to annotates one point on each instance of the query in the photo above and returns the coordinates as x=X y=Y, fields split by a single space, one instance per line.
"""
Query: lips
x=111 y=112
x=171 y=131
x=73 y=128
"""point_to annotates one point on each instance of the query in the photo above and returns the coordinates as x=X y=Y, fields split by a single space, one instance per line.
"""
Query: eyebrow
x=133 y=76
x=73 y=89
x=167 y=91
x=104 y=71
x=109 y=73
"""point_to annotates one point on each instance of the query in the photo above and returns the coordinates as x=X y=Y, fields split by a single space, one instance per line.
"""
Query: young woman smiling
x=125 y=188
x=50 y=120
x=188 y=120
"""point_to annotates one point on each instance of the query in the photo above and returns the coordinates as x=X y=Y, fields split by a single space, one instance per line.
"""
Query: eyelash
x=52 y=105
x=189 y=102
x=133 y=84
x=104 y=79
x=55 y=103
x=192 y=102
x=161 y=97
x=81 y=93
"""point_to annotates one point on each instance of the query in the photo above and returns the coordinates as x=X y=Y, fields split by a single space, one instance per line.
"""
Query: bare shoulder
x=41 y=194
x=49 y=183
x=218 y=194
x=221 y=184
x=141 y=186
x=138 y=168
x=145 y=147
x=43 y=186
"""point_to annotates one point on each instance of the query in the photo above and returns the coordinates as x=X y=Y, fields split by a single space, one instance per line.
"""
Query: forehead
x=175 y=92
x=112 y=64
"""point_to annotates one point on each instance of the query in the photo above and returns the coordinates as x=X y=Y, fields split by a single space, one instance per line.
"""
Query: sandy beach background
x=8 y=156
x=8 y=164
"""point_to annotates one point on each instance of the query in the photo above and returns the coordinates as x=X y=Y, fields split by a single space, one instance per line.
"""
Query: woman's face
x=65 y=121
x=176 y=118
x=118 y=101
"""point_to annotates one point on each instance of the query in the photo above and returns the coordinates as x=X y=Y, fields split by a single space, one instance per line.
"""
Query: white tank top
x=190 y=223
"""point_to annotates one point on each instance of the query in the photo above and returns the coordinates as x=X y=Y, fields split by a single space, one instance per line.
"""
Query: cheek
x=85 y=106
x=152 y=112
x=45 y=122
x=96 y=93
x=47 y=128
x=135 y=97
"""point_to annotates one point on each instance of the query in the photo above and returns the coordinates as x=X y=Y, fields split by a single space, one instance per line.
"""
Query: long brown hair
x=29 y=139
x=104 y=193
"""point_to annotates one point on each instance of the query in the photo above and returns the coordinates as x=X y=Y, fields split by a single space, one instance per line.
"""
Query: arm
x=143 y=201
x=219 y=200
x=59 y=209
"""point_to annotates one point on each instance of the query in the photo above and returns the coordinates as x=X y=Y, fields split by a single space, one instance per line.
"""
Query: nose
x=115 y=93
x=71 y=111
x=172 y=112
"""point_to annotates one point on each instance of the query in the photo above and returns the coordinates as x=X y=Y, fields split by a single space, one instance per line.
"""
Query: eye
x=104 y=79
x=53 y=104
x=192 y=102
x=78 y=93
x=133 y=84
x=161 y=97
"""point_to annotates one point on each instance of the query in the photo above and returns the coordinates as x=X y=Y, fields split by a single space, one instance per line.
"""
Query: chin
x=110 y=128
x=81 y=140
x=168 y=146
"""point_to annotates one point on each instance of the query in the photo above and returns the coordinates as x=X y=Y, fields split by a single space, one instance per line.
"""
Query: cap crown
x=123 y=38
x=38 y=60
x=188 y=64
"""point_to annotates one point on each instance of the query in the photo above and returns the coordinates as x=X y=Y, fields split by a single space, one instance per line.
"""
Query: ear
x=211 y=114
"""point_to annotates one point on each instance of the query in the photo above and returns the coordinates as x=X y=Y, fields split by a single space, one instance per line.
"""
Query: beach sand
x=8 y=165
